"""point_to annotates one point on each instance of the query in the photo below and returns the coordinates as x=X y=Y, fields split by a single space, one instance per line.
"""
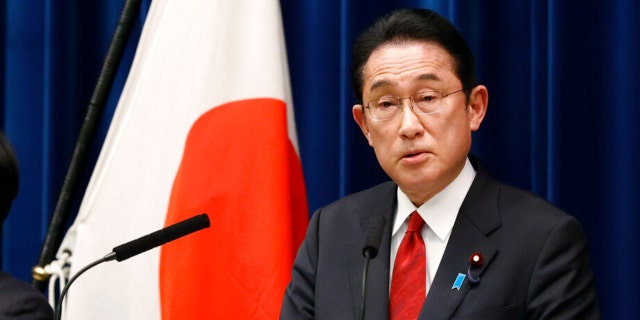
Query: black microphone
x=373 y=229
x=140 y=245
x=160 y=237
x=373 y=236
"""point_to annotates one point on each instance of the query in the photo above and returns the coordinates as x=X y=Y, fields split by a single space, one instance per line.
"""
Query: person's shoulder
x=19 y=300
x=381 y=193
x=10 y=284
x=520 y=206
x=512 y=201
x=379 y=198
x=513 y=198
x=347 y=214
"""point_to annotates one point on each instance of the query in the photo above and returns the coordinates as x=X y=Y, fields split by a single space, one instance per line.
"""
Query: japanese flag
x=204 y=125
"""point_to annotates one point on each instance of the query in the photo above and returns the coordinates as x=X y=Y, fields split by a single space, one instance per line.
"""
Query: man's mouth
x=415 y=155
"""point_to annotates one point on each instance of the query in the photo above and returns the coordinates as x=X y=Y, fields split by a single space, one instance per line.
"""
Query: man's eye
x=426 y=97
x=386 y=103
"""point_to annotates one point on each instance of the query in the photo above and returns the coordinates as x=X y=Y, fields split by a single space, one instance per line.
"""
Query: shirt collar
x=441 y=210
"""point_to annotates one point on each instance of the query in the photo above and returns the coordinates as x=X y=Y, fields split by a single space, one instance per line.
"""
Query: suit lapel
x=478 y=216
x=378 y=275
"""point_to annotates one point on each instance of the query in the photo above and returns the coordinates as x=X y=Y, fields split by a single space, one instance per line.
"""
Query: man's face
x=422 y=153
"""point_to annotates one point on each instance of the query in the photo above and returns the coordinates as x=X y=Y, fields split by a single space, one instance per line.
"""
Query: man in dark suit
x=457 y=243
x=18 y=300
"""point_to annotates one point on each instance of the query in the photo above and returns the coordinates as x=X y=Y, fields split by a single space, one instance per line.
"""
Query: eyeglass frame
x=411 y=104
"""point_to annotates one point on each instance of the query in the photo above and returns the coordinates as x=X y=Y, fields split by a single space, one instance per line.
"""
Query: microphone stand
x=367 y=259
x=140 y=245
x=373 y=227
x=58 y=310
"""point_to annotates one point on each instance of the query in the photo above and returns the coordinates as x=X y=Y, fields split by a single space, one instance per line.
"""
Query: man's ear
x=477 y=108
x=360 y=118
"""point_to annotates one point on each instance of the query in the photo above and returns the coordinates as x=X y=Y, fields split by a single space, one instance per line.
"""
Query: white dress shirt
x=439 y=214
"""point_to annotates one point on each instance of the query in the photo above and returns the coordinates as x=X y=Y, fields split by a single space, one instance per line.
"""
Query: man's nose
x=410 y=125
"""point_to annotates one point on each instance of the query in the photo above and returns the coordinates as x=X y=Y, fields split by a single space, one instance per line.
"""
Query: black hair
x=9 y=176
x=407 y=25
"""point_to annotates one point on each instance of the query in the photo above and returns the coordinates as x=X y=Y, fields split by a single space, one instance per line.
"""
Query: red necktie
x=408 y=290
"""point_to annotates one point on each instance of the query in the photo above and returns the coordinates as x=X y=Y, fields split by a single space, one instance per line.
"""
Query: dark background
x=562 y=77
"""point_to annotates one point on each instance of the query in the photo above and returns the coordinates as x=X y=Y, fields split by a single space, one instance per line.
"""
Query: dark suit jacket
x=20 y=301
x=535 y=260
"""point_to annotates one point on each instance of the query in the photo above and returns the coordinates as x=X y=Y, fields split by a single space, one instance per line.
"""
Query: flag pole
x=87 y=134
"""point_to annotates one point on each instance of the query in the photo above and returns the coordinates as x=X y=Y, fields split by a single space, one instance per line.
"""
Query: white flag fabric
x=204 y=125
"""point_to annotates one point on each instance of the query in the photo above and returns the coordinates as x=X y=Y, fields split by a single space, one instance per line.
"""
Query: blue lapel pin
x=459 y=280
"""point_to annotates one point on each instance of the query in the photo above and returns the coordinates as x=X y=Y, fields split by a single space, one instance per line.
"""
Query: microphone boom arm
x=140 y=245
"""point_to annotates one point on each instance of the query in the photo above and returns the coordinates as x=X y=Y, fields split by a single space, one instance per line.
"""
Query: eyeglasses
x=423 y=102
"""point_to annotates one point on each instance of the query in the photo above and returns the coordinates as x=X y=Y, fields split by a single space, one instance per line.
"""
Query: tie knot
x=415 y=222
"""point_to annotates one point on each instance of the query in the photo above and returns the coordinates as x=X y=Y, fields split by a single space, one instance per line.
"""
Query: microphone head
x=373 y=228
x=160 y=237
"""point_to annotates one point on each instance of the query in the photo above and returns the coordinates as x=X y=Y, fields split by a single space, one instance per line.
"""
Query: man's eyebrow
x=385 y=82
x=379 y=83
x=428 y=76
